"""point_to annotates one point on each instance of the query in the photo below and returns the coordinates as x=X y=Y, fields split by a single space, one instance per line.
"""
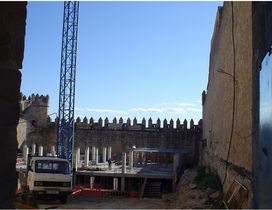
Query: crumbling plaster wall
x=227 y=109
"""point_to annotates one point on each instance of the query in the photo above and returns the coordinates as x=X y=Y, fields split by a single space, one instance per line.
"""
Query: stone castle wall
x=121 y=136
x=231 y=145
x=33 y=113
x=227 y=106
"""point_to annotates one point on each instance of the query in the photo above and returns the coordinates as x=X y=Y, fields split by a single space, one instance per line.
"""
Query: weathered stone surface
x=214 y=195
x=12 y=32
x=227 y=106
x=12 y=27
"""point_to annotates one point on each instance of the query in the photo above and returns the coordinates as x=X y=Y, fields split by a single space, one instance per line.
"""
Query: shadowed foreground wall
x=12 y=33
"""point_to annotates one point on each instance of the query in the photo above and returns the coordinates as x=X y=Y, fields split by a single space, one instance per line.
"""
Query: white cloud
x=159 y=110
x=79 y=109
x=186 y=104
x=194 y=109
x=181 y=104
x=145 y=110
x=111 y=111
x=199 y=101
x=164 y=104
x=180 y=108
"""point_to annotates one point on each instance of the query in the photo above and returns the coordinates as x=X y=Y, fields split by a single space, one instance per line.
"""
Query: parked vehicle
x=48 y=177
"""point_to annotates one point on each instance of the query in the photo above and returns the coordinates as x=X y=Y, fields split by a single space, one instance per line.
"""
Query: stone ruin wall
x=119 y=135
x=122 y=136
x=227 y=106
x=33 y=113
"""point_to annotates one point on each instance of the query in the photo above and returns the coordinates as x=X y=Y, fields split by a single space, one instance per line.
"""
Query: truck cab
x=49 y=177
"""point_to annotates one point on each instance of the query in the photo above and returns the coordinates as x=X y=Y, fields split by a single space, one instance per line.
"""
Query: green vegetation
x=95 y=169
x=210 y=180
x=207 y=180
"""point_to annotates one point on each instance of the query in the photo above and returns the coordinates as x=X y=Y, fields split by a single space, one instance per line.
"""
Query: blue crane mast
x=65 y=134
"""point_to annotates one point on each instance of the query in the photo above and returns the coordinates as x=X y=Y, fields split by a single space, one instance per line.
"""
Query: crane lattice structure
x=65 y=136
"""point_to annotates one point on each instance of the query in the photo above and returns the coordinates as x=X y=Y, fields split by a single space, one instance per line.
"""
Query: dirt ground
x=187 y=194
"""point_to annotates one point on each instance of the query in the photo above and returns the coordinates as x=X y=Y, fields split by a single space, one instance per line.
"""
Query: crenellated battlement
x=35 y=99
x=34 y=108
x=134 y=125
x=119 y=133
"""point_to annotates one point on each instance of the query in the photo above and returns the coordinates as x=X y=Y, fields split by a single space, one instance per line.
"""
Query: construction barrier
x=85 y=191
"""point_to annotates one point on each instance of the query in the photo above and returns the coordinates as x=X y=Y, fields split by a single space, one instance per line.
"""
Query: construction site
x=220 y=160
x=111 y=160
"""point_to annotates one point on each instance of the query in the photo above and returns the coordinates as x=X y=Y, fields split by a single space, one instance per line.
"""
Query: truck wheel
x=29 y=199
x=24 y=198
x=63 y=199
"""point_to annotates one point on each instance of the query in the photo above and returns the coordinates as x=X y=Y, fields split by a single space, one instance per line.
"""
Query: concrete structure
x=157 y=169
x=93 y=153
x=78 y=155
x=231 y=146
x=40 y=150
x=25 y=153
x=96 y=155
x=124 y=163
x=92 y=182
x=53 y=151
x=109 y=152
x=115 y=184
x=130 y=159
x=33 y=150
x=87 y=156
x=104 y=155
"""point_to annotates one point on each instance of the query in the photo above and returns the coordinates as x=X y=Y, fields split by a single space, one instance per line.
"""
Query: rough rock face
x=241 y=39
x=227 y=109
x=12 y=33
x=188 y=195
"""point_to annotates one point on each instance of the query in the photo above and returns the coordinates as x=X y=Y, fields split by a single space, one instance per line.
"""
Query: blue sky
x=135 y=59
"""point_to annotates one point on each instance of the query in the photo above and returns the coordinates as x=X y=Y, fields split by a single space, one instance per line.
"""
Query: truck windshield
x=51 y=166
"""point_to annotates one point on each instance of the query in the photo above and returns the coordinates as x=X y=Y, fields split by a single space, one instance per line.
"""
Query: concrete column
x=25 y=154
x=130 y=159
x=87 y=154
x=77 y=162
x=109 y=152
x=122 y=184
x=96 y=155
x=115 y=183
x=104 y=154
x=78 y=156
x=92 y=182
x=53 y=151
x=40 y=150
x=175 y=163
x=93 y=153
x=140 y=157
x=124 y=156
x=33 y=151
x=145 y=158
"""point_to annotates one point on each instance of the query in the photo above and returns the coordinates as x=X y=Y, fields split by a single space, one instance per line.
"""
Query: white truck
x=48 y=177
